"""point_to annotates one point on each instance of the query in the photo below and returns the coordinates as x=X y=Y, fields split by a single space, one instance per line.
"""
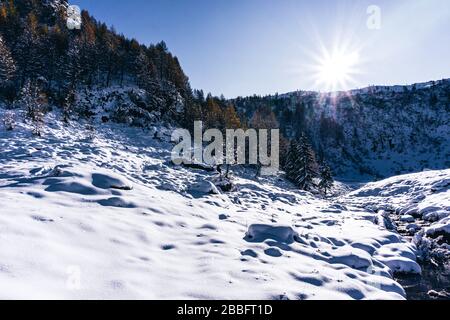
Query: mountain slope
x=376 y=131
x=104 y=214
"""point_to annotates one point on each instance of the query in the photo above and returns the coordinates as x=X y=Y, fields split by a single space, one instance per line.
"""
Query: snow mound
x=439 y=228
x=399 y=257
x=260 y=233
x=203 y=188
x=104 y=181
x=352 y=257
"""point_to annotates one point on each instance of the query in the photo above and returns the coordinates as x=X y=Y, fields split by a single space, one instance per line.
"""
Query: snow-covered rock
x=260 y=233
x=407 y=218
x=399 y=257
x=203 y=188
x=441 y=227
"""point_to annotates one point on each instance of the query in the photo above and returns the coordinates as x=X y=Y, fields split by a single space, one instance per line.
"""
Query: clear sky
x=246 y=47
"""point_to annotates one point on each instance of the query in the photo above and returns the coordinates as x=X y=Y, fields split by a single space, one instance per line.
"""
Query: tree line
x=36 y=43
x=42 y=62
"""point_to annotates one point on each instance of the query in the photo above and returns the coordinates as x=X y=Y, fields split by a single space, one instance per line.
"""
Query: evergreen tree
x=308 y=165
x=73 y=65
x=29 y=51
x=291 y=166
x=7 y=65
x=144 y=71
x=33 y=103
x=68 y=105
x=326 y=179
x=192 y=113
x=301 y=164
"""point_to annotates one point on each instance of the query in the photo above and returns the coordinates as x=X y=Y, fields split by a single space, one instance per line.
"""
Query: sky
x=247 y=47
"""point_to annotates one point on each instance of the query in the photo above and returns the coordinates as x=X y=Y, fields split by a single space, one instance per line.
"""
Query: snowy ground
x=419 y=203
x=112 y=218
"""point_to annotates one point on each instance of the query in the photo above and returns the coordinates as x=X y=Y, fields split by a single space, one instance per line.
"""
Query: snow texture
x=111 y=217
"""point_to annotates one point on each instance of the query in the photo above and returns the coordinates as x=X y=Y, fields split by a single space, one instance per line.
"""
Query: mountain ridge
x=361 y=132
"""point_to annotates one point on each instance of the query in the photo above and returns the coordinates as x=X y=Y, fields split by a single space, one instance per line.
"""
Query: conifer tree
x=291 y=166
x=68 y=105
x=7 y=65
x=231 y=118
x=300 y=164
x=213 y=114
x=33 y=103
x=307 y=165
x=28 y=51
x=326 y=179
x=73 y=65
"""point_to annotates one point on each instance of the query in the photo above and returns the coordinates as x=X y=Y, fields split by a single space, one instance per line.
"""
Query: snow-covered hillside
x=104 y=214
x=379 y=131
x=420 y=203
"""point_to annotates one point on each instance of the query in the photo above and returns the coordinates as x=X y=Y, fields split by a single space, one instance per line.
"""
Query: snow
x=110 y=217
x=422 y=201
x=440 y=227
x=419 y=194
x=399 y=257
x=283 y=234
x=407 y=218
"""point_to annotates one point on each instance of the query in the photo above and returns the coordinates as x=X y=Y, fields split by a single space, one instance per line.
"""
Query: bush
x=8 y=121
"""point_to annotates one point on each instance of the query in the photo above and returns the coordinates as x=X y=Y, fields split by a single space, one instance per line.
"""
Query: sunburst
x=335 y=70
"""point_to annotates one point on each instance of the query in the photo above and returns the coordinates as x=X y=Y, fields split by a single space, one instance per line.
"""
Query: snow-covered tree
x=7 y=65
x=34 y=104
x=301 y=165
x=29 y=51
x=8 y=121
x=68 y=105
x=326 y=179
x=291 y=166
x=72 y=67
x=308 y=165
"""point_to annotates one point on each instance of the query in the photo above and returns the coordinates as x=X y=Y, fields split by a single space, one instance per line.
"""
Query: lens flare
x=335 y=70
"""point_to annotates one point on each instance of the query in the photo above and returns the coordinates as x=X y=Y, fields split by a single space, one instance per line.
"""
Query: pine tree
x=326 y=179
x=192 y=113
x=308 y=165
x=72 y=68
x=300 y=164
x=7 y=65
x=68 y=105
x=29 y=51
x=143 y=70
x=291 y=166
x=33 y=103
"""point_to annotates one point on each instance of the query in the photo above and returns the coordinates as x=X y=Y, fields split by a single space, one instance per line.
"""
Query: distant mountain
x=376 y=131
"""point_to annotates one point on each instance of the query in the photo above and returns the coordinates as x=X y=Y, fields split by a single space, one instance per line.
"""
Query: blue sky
x=246 y=47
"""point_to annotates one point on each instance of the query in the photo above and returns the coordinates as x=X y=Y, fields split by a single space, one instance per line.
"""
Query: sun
x=335 y=70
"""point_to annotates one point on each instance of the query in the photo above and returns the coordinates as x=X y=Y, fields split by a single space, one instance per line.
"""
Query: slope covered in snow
x=376 y=132
x=419 y=203
x=104 y=214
